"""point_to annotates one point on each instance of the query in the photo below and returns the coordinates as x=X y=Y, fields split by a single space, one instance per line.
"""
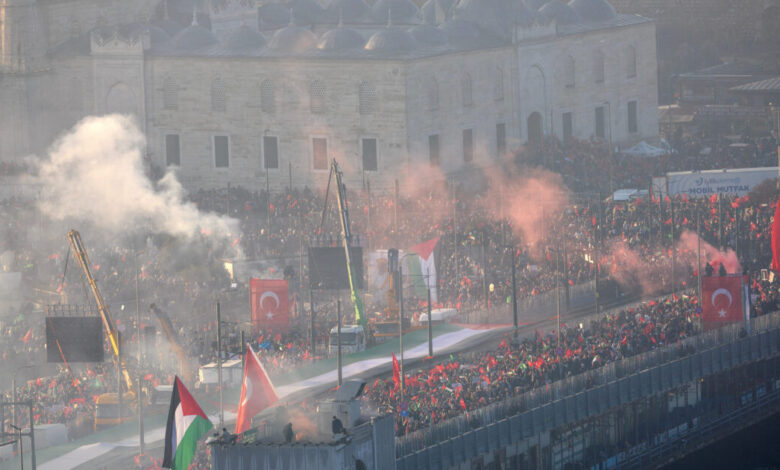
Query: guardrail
x=714 y=350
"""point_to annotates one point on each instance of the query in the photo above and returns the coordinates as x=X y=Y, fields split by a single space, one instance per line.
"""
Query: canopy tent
x=643 y=149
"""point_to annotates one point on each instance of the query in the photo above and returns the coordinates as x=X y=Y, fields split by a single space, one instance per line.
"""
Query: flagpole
x=401 y=323
x=698 y=254
x=430 y=322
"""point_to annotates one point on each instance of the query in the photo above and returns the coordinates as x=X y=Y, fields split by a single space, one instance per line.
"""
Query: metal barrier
x=593 y=392
x=542 y=302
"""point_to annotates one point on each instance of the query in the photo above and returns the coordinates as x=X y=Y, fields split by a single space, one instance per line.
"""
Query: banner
x=378 y=276
x=269 y=304
x=722 y=299
x=736 y=182
x=422 y=269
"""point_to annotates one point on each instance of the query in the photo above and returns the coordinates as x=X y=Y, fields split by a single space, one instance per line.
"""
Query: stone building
x=249 y=95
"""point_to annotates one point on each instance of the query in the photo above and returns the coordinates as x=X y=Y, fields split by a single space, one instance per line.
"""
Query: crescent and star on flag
x=273 y=295
x=718 y=293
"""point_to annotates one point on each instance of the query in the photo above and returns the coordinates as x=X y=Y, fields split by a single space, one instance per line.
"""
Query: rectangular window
x=172 y=150
x=270 y=153
x=468 y=145
x=320 y=153
x=632 y=118
x=500 y=139
x=433 y=149
x=221 y=151
x=369 y=155
x=600 y=122
x=567 y=126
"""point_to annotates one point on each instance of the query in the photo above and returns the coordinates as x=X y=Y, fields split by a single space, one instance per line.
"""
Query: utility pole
x=313 y=333
x=219 y=369
x=401 y=323
x=140 y=417
x=430 y=324
x=338 y=334
x=514 y=291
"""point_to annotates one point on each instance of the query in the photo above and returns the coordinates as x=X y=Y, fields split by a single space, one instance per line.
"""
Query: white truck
x=353 y=339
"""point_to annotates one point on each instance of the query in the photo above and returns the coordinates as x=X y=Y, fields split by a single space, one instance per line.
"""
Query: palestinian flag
x=422 y=269
x=187 y=423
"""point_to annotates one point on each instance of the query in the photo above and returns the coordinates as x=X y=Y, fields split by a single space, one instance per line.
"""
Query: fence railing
x=502 y=313
x=537 y=397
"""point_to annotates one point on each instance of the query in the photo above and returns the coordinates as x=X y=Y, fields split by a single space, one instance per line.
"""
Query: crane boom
x=173 y=339
x=341 y=198
x=113 y=335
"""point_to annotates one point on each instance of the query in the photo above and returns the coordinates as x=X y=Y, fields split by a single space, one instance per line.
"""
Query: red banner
x=722 y=299
x=269 y=302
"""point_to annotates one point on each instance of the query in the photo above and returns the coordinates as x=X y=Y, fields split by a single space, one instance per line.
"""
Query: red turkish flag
x=776 y=239
x=269 y=303
x=396 y=372
x=722 y=299
x=257 y=391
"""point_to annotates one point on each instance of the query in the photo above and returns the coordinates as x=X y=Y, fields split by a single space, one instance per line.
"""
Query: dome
x=193 y=37
x=293 y=39
x=402 y=11
x=340 y=39
x=272 y=16
x=245 y=38
x=350 y=11
x=556 y=9
x=391 y=39
x=460 y=32
x=170 y=27
x=593 y=10
x=498 y=16
x=157 y=34
x=429 y=35
x=429 y=10
x=534 y=5
x=306 y=11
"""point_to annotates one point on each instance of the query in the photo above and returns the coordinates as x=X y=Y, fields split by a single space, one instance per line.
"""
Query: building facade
x=268 y=95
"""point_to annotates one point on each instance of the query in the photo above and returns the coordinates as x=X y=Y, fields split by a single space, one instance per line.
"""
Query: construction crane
x=108 y=402
x=185 y=364
x=346 y=236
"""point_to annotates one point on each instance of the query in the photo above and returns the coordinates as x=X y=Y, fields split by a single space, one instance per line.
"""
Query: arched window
x=218 y=98
x=170 y=94
x=630 y=62
x=598 y=67
x=465 y=87
x=317 y=96
x=568 y=71
x=433 y=94
x=367 y=98
x=268 y=96
x=498 y=85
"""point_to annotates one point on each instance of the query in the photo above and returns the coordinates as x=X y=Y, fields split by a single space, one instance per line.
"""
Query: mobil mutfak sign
x=737 y=182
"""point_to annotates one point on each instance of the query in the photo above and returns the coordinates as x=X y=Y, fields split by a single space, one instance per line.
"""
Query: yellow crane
x=107 y=408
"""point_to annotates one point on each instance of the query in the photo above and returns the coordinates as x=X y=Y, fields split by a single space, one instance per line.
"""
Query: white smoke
x=95 y=174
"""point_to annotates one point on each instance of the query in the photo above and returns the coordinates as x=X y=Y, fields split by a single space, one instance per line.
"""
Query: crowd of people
x=637 y=242
x=467 y=381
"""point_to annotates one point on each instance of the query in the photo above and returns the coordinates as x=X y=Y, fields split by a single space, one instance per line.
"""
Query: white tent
x=643 y=149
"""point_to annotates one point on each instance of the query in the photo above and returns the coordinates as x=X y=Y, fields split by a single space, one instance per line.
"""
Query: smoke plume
x=709 y=254
x=95 y=174
x=530 y=201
